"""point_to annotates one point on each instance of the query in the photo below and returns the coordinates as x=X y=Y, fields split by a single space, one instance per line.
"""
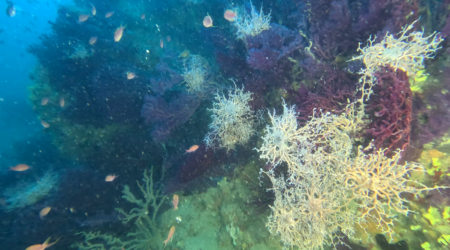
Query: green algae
x=220 y=218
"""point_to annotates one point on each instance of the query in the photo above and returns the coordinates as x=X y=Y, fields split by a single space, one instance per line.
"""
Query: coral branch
x=407 y=52
x=390 y=110
x=251 y=24
x=146 y=232
x=233 y=120
x=313 y=202
x=153 y=199
x=377 y=182
x=195 y=73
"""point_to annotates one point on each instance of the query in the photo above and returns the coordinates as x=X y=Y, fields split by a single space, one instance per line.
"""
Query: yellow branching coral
x=285 y=142
x=309 y=210
x=251 y=24
x=407 y=52
x=281 y=139
x=233 y=120
x=195 y=73
x=146 y=235
x=376 y=183
x=326 y=189
x=311 y=204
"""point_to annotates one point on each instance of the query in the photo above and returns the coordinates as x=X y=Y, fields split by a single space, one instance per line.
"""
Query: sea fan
x=25 y=194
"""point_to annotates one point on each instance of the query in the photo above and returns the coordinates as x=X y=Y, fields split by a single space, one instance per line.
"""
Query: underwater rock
x=432 y=109
x=193 y=165
x=219 y=218
x=384 y=244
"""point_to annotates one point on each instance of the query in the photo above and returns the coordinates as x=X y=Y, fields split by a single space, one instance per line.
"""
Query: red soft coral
x=390 y=109
x=330 y=93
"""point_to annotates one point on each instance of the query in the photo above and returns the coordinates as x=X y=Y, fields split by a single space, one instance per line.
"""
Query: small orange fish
x=119 y=32
x=142 y=16
x=11 y=10
x=175 y=202
x=20 y=167
x=93 y=40
x=131 y=75
x=207 y=21
x=168 y=38
x=62 y=102
x=161 y=43
x=44 y=101
x=44 y=212
x=192 y=149
x=43 y=246
x=109 y=14
x=230 y=15
x=110 y=178
x=45 y=124
x=93 y=11
x=184 y=54
x=171 y=232
x=83 y=18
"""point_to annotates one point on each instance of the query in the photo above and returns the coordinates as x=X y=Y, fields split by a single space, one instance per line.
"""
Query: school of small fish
x=93 y=10
x=42 y=246
x=175 y=202
x=62 y=102
x=44 y=212
x=131 y=75
x=44 y=101
x=109 y=14
x=192 y=149
x=45 y=124
x=83 y=18
x=169 y=237
x=20 y=167
x=207 y=21
x=93 y=40
x=110 y=178
x=230 y=15
x=118 y=34
x=11 y=9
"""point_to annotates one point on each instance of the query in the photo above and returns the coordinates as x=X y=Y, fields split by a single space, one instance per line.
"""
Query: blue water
x=18 y=121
